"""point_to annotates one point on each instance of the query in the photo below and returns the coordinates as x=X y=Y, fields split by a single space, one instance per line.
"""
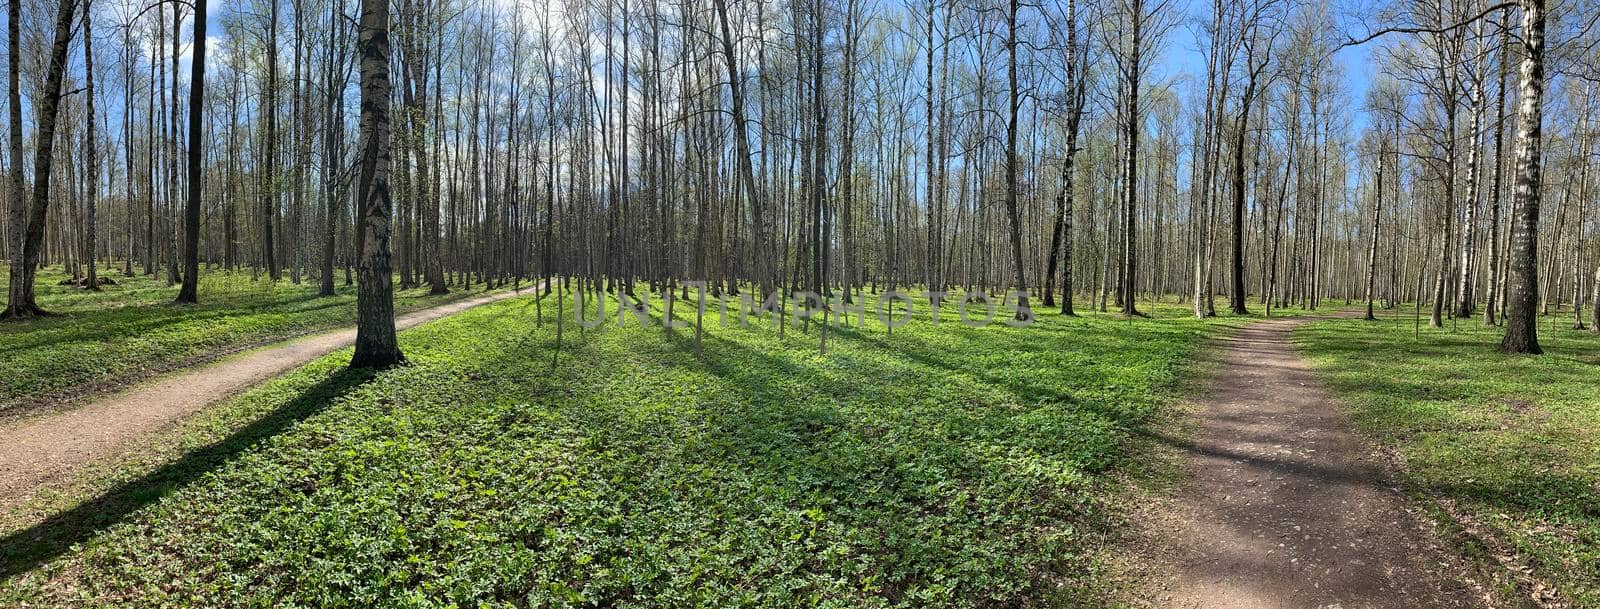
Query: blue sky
x=1182 y=58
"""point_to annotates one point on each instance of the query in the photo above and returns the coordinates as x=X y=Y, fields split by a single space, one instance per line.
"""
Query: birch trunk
x=1522 y=289
x=376 y=345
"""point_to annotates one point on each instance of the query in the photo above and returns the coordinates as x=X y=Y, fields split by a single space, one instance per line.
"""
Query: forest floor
x=1283 y=505
x=99 y=342
x=940 y=466
x=36 y=450
x=1499 y=449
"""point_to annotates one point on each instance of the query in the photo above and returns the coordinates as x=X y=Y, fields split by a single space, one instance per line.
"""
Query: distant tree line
x=1066 y=148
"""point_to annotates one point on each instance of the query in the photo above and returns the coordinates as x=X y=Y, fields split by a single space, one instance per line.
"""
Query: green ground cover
x=944 y=466
x=131 y=330
x=1509 y=445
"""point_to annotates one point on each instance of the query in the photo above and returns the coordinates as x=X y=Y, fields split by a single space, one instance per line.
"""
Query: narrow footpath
x=1284 y=506
x=36 y=451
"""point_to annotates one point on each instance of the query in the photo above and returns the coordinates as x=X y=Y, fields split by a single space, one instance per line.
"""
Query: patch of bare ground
x=1277 y=503
x=37 y=451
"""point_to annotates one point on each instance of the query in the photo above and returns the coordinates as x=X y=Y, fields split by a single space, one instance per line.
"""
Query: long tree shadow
x=26 y=549
x=1026 y=390
x=1350 y=474
x=811 y=433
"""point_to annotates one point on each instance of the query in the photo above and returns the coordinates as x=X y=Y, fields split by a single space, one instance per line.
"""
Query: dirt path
x=1285 y=507
x=38 y=450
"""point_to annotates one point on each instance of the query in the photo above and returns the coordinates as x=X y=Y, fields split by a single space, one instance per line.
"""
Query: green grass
x=944 y=466
x=1509 y=444
x=129 y=331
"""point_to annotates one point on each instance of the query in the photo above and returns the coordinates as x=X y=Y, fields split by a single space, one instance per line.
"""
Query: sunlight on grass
x=1511 y=439
x=942 y=466
x=131 y=330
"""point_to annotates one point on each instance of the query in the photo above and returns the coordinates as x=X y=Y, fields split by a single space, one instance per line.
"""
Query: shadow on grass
x=1027 y=390
x=23 y=550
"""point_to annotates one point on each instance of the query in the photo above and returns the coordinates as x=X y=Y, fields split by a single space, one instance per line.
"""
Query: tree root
x=26 y=311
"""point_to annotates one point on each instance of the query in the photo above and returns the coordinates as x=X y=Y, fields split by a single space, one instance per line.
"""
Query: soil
x=1283 y=505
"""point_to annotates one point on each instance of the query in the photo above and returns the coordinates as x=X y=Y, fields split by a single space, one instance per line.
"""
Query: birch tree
x=376 y=343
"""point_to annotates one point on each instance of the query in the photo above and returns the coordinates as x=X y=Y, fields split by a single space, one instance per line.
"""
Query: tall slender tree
x=90 y=238
x=1014 y=110
x=1130 y=179
x=269 y=180
x=1522 y=289
x=1257 y=59
x=190 y=293
x=28 y=230
x=16 y=221
x=376 y=343
x=1073 y=96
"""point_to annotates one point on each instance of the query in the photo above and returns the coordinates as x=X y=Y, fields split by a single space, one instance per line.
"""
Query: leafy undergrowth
x=130 y=330
x=1508 y=443
x=943 y=466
